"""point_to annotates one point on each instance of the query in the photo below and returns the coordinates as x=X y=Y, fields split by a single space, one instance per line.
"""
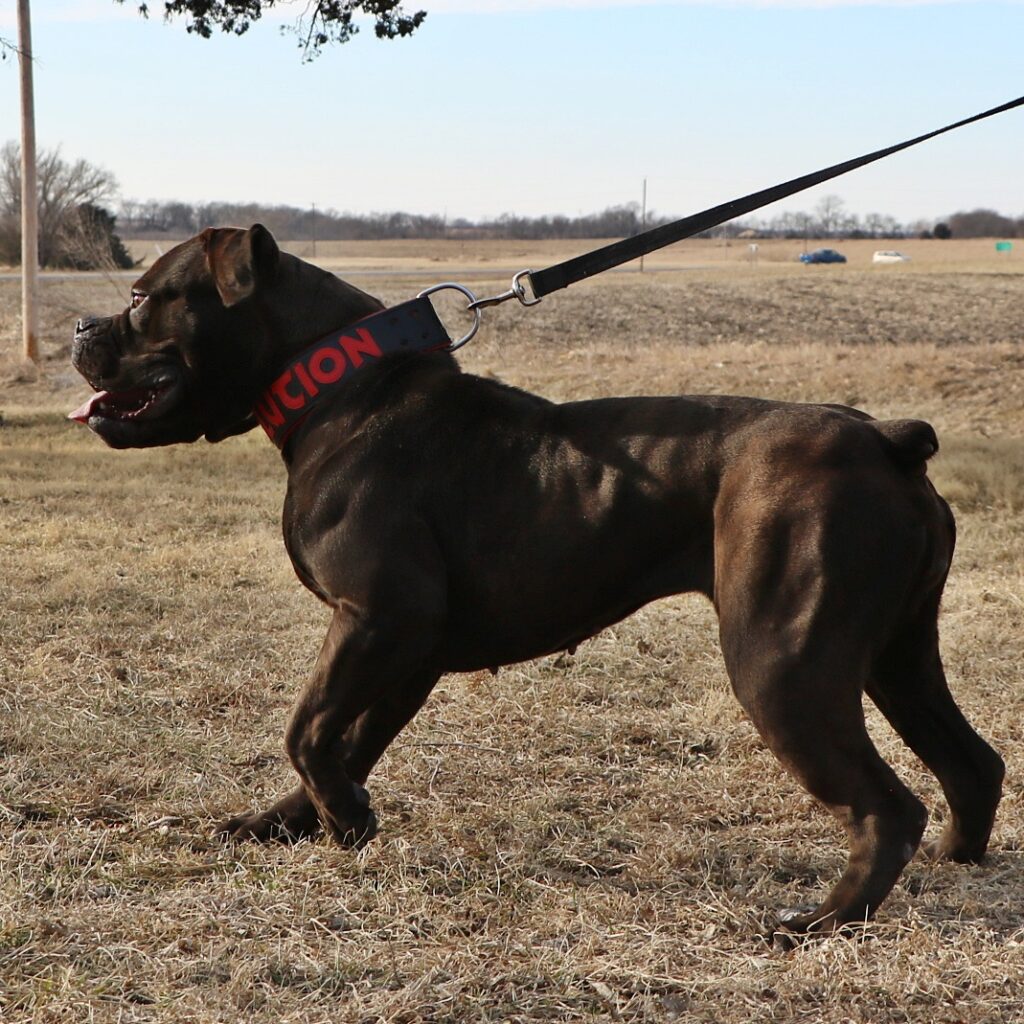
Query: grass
x=589 y=838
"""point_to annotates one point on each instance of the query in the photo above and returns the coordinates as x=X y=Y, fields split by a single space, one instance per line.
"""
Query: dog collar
x=329 y=363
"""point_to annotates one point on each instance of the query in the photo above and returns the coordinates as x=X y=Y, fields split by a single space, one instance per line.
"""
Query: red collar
x=333 y=360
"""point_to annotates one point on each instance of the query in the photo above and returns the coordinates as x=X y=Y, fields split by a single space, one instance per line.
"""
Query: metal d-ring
x=517 y=291
x=472 y=305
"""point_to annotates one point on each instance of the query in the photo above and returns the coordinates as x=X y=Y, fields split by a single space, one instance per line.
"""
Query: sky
x=540 y=106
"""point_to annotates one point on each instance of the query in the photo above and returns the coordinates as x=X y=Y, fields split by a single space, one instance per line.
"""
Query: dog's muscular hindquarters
x=454 y=523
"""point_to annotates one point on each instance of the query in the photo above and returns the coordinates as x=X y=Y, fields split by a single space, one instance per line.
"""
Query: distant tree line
x=829 y=219
x=145 y=219
x=985 y=224
x=180 y=220
x=79 y=230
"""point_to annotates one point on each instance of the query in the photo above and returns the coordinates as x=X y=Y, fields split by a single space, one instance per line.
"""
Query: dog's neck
x=328 y=304
x=360 y=333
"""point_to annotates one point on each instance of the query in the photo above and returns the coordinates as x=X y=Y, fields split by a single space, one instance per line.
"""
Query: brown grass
x=586 y=838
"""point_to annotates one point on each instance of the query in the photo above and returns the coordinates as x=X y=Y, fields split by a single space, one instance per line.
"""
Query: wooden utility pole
x=29 y=196
x=643 y=220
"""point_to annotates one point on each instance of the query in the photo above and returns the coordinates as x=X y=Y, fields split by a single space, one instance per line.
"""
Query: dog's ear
x=240 y=261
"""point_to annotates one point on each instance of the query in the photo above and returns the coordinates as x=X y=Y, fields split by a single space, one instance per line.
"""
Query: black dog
x=454 y=524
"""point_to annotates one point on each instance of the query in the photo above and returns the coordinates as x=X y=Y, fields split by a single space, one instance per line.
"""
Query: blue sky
x=533 y=107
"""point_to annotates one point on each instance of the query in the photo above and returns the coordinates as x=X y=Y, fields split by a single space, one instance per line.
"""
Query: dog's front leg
x=377 y=666
x=366 y=663
x=371 y=733
x=294 y=816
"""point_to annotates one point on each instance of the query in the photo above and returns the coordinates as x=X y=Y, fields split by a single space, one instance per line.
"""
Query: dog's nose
x=86 y=324
x=92 y=351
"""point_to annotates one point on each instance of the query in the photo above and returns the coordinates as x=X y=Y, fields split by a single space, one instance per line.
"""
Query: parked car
x=889 y=256
x=822 y=256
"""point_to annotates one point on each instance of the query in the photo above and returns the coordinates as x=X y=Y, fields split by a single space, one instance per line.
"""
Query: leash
x=414 y=326
x=561 y=275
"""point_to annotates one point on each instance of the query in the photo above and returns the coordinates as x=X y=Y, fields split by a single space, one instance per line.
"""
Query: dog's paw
x=796 y=926
x=360 y=824
x=270 y=826
x=257 y=828
x=952 y=846
x=788 y=929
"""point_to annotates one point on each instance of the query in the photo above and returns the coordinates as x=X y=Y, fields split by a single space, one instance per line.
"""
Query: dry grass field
x=598 y=837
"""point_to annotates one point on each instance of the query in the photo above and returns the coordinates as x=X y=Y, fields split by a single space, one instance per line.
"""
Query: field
x=596 y=837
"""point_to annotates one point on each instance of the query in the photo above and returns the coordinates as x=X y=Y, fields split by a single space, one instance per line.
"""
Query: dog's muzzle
x=93 y=352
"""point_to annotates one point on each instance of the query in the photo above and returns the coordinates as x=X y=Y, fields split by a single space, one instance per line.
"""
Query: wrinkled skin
x=453 y=523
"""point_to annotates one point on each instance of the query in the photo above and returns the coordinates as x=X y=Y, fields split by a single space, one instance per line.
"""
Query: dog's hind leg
x=799 y=610
x=808 y=710
x=909 y=686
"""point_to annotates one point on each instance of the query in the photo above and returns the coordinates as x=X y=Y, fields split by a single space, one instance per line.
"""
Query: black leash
x=561 y=275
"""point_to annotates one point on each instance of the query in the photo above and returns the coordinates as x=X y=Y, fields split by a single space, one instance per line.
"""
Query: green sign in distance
x=1004 y=246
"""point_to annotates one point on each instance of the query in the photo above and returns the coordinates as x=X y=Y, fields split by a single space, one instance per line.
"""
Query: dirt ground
x=596 y=837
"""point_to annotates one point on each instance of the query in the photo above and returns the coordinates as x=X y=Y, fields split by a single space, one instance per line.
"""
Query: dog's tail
x=911 y=443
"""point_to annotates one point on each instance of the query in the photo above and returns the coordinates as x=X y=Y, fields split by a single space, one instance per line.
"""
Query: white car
x=889 y=256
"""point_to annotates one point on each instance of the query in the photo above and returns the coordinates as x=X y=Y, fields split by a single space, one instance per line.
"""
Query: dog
x=455 y=523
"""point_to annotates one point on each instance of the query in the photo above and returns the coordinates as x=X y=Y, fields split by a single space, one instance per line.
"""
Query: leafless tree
x=65 y=188
x=873 y=224
x=830 y=213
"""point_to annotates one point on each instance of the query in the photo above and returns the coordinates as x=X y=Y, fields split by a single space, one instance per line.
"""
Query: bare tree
x=830 y=214
x=891 y=227
x=874 y=225
x=65 y=189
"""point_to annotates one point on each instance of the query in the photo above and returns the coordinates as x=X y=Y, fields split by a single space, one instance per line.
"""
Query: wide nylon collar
x=331 y=362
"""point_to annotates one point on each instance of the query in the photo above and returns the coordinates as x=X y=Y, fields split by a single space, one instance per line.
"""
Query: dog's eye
x=138 y=298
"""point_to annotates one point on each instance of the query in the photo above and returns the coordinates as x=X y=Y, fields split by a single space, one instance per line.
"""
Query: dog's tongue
x=83 y=412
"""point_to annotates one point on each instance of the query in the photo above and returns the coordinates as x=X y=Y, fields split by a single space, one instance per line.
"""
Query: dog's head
x=189 y=356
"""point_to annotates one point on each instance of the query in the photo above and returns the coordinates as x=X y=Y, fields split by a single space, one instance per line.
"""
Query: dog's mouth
x=131 y=404
x=154 y=411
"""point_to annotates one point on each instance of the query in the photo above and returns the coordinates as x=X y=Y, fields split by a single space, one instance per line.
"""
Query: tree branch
x=322 y=22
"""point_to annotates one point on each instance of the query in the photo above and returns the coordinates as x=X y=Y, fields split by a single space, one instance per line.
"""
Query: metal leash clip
x=517 y=291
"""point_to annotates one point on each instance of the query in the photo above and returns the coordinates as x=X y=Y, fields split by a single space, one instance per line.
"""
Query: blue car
x=822 y=256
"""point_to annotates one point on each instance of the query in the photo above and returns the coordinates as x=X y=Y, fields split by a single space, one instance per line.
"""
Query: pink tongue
x=83 y=412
